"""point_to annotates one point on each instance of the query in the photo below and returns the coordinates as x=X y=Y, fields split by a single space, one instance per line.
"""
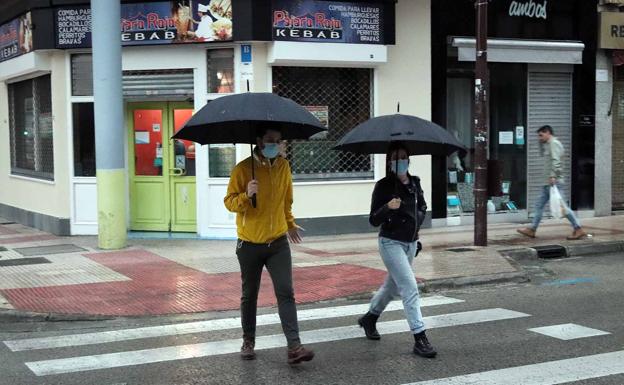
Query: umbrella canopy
x=237 y=118
x=421 y=137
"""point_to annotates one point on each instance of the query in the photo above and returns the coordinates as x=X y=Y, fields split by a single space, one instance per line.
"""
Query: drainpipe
x=109 y=125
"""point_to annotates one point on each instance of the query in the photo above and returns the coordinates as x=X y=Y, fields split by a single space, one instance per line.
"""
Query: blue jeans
x=398 y=257
x=541 y=203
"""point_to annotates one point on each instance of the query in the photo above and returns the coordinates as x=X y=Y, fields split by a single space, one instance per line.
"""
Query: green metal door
x=162 y=171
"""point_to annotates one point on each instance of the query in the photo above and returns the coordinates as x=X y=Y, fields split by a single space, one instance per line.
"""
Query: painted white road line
x=203 y=326
x=172 y=353
x=568 y=331
x=546 y=373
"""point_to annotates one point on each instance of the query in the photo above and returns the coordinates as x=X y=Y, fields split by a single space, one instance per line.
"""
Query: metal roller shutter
x=171 y=83
x=168 y=83
x=549 y=102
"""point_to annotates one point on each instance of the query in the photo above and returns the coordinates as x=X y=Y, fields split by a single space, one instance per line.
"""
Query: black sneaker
x=369 y=322
x=422 y=347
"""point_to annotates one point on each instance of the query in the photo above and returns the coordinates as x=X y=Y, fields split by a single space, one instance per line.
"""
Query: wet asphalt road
x=584 y=291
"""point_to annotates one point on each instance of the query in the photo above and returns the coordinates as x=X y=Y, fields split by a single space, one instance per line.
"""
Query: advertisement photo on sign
x=16 y=37
x=327 y=21
x=162 y=22
x=202 y=20
x=185 y=21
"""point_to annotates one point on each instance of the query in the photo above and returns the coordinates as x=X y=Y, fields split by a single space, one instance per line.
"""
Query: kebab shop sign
x=531 y=8
x=328 y=21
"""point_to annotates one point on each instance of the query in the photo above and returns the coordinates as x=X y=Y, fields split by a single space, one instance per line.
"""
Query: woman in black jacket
x=399 y=207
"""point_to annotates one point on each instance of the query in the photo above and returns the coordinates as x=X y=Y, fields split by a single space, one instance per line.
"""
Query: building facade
x=542 y=65
x=344 y=61
x=610 y=108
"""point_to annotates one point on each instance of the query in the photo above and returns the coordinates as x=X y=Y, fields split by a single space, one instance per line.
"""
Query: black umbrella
x=421 y=137
x=237 y=119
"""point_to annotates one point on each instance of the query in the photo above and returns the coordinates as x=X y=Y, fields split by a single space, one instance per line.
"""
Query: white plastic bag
x=557 y=206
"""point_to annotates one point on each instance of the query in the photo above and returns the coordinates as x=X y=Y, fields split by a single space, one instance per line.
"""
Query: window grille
x=31 y=133
x=339 y=97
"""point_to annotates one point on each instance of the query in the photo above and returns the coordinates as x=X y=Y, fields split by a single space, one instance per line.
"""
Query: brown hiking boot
x=527 y=231
x=577 y=234
x=247 y=350
x=299 y=354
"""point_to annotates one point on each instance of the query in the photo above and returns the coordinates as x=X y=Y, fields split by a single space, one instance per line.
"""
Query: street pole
x=481 y=125
x=109 y=124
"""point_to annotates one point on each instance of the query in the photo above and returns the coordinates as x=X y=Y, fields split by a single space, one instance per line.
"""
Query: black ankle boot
x=422 y=347
x=369 y=321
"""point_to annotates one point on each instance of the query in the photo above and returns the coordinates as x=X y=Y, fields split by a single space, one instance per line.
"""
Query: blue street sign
x=246 y=53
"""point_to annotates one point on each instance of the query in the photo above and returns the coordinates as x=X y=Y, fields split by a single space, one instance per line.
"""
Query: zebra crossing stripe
x=568 y=331
x=172 y=353
x=546 y=373
x=203 y=326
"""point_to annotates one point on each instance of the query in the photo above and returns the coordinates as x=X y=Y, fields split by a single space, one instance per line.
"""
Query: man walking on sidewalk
x=263 y=235
x=552 y=153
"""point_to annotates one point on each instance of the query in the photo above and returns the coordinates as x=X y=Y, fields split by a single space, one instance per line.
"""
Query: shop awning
x=305 y=53
x=522 y=51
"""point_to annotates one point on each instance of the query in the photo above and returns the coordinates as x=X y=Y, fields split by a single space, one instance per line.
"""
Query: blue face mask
x=270 y=150
x=403 y=166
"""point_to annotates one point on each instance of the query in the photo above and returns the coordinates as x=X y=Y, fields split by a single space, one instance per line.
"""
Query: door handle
x=177 y=171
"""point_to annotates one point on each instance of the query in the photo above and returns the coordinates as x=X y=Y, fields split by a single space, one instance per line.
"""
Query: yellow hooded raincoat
x=272 y=218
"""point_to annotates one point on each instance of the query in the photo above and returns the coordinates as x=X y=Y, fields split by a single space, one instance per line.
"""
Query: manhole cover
x=45 y=250
x=460 y=250
x=23 y=261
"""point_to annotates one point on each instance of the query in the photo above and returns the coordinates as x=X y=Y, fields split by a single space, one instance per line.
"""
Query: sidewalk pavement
x=45 y=276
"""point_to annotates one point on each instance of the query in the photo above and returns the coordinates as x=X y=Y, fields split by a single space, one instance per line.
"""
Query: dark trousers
x=252 y=257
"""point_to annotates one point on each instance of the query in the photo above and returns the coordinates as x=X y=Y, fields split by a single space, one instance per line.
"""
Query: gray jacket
x=553 y=152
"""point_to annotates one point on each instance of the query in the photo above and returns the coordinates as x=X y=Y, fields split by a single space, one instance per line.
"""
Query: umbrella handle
x=396 y=173
x=254 y=202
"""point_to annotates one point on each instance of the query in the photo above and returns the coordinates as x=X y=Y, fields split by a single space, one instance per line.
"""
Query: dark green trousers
x=276 y=256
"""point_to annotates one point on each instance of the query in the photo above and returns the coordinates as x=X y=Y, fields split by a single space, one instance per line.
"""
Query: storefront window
x=184 y=150
x=30 y=114
x=507 y=143
x=508 y=122
x=618 y=140
x=459 y=106
x=220 y=71
x=84 y=139
x=341 y=99
x=220 y=63
x=82 y=74
x=222 y=160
